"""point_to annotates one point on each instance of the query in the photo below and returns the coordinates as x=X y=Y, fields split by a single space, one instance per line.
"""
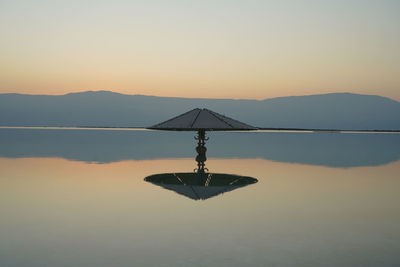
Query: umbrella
x=202 y=120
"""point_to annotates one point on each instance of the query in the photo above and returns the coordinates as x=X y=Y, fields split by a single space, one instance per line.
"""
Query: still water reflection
x=60 y=212
x=200 y=185
x=326 y=149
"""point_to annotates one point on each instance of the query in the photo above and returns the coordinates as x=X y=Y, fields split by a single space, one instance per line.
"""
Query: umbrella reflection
x=200 y=185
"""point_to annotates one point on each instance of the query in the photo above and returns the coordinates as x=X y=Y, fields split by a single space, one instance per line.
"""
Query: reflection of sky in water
x=67 y=213
x=57 y=212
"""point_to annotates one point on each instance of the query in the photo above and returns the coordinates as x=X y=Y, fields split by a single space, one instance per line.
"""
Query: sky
x=252 y=49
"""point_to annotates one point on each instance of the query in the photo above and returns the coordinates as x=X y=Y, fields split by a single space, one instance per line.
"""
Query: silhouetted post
x=201 y=151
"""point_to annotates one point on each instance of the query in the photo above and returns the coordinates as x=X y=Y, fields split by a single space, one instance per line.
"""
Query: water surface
x=78 y=198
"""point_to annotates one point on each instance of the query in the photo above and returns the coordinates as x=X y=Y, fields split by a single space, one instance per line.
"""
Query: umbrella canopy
x=194 y=186
x=202 y=119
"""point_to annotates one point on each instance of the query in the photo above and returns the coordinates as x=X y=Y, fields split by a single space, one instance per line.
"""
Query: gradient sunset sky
x=209 y=48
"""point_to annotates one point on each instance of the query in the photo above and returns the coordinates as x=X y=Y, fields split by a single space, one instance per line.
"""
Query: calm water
x=78 y=198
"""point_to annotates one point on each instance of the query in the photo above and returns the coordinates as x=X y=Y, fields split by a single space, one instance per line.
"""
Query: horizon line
x=250 y=99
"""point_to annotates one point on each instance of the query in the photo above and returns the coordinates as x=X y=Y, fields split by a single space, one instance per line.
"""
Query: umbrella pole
x=201 y=151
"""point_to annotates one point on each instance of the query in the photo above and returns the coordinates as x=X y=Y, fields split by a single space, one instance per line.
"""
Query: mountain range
x=345 y=111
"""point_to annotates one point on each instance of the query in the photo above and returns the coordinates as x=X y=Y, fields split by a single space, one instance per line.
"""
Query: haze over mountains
x=109 y=109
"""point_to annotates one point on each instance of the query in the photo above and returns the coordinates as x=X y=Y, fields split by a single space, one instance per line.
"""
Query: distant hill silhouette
x=109 y=109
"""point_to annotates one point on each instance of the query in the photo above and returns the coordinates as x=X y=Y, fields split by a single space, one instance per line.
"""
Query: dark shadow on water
x=326 y=149
x=199 y=186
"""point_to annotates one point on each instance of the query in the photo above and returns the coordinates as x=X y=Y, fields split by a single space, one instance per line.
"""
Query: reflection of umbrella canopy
x=202 y=119
x=191 y=184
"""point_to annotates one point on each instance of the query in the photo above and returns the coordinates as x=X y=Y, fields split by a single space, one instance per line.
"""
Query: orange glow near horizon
x=256 y=167
x=215 y=95
x=57 y=176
